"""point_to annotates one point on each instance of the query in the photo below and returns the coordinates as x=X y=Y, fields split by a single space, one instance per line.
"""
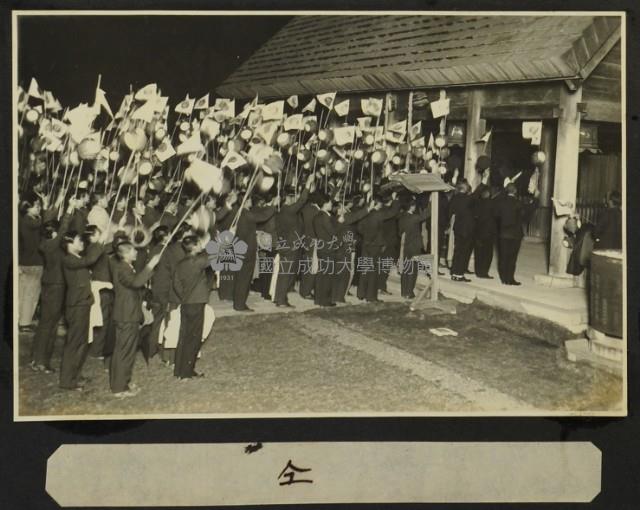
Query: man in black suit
x=78 y=301
x=461 y=206
x=485 y=233
x=307 y=278
x=512 y=214
x=191 y=285
x=372 y=245
x=410 y=229
x=324 y=225
x=289 y=232
x=127 y=316
x=391 y=250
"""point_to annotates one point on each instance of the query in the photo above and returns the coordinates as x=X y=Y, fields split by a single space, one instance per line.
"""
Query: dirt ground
x=367 y=358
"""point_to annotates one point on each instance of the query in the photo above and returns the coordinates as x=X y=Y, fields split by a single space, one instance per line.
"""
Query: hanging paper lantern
x=311 y=126
x=236 y=145
x=433 y=165
x=266 y=183
x=369 y=139
x=135 y=139
x=445 y=153
x=74 y=158
x=322 y=155
x=160 y=133
x=145 y=167
x=114 y=155
x=246 y=134
x=379 y=157
x=304 y=155
x=32 y=116
x=284 y=140
x=101 y=164
x=366 y=187
x=127 y=175
x=325 y=135
x=440 y=141
x=396 y=160
x=539 y=158
x=340 y=166
x=358 y=154
x=184 y=126
x=442 y=168
x=307 y=165
x=206 y=176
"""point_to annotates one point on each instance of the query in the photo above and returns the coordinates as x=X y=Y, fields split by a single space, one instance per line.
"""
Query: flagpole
x=182 y=220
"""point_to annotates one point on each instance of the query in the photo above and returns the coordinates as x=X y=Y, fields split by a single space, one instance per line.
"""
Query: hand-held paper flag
x=233 y=161
x=273 y=111
x=185 y=107
x=267 y=131
x=399 y=127
x=344 y=135
x=144 y=112
x=532 y=130
x=293 y=101
x=327 y=99
x=440 y=108
x=486 y=137
x=34 y=89
x=101 y=102
x=293 y=122
x=210 y=128
x=371 y=106
x=202 y=103
x=165 y=150
x=416 y=130
x=206 y=176
x=311 y=107
x=147 y=92
x=192 y=144
x=342 y=108
x=226 y=107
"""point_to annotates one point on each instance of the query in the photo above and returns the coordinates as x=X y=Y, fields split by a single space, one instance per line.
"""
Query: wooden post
x=475 y=129
x=565 y=182
x=407 y=160
x=434 y=245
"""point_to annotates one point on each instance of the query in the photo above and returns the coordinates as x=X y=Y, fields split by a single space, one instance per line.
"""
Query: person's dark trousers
x=307 y=279
x=507 y=258
x=124 y=355
x=324 y=280
x=461 y=253
x=159 y=311
x=242 y=281
x=225 y=285
x=264 y=278
x=97 y=347
x=483 y=255
x=408 y=278
x=340 y=279
x=52 y=305
x=190 y=339
x=76 y=345
x=389 y=252
x=286 y=275
x=368 y=283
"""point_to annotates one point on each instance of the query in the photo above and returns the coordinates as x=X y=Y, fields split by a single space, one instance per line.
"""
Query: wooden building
x=497 y=71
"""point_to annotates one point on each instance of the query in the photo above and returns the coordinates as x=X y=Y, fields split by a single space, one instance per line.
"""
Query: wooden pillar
x=565 y=181
x=475 y=129
x=434 y=245
x=548 y=146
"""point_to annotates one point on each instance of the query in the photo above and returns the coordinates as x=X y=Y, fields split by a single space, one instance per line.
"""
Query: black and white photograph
x=290 y=214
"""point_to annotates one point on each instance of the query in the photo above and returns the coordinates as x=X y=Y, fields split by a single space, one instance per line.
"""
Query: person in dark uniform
x=191 y=285
x=324 y=226
x=53 y=290
x=266 y=239
x=78 y=301
x=461 y=206
x=246 y=231
x=101 y=272
x=512 y=214
x=485 y=233
x=81 y=212
x=372 y=244
x=608 y=230
x=307 y=278
x=127 y=316
x=289 y=232
x=29 y=260
x=152 y=214
x=390 y=251
x=159 y=292
x=410 y=230
x=345 y=259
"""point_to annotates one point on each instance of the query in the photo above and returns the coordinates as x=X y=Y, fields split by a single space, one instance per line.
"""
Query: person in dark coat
x=78 y=301
x=512 y=214
x=29 y=260
x=608 y=230
x=246 y=231
x=191 y=285
x=410 y=230
x=307 y=278
x=53 y=289
x=81 y=212
x=289 y=237
x=390 y=251
x=345 y=254
x=372 y=244
x=159 y=292
x=485 y=233
x=461 y=206
x=127 y=316
x=266 y=238
x=324 y=226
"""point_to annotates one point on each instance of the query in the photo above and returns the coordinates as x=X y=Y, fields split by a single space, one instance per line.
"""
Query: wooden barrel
x=605 y=299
